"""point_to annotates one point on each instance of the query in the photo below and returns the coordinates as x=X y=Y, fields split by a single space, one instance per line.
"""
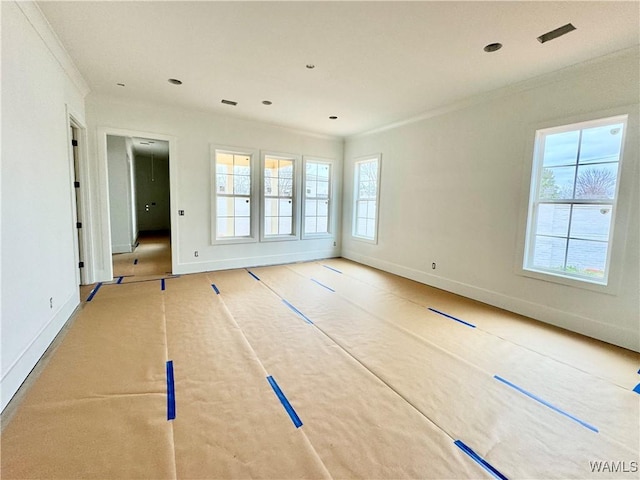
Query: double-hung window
x=279 y=192
x=366 y=189
x=234 y=187
x=317 y=198
x=573 y=199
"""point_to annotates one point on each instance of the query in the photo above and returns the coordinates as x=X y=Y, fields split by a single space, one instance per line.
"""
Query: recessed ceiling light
x=310 y=66
x=120 y=84
x=267 y=102
x=333 y=117
x=492 y=47
x=174 y=81
x=558 y=32
x=229 y=102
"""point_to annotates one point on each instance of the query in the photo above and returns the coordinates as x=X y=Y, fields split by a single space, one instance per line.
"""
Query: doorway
x=139 y=204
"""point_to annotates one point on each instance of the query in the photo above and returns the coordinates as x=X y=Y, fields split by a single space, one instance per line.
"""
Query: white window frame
x=295 y=220
x=330 y=209
x=356 y=180
x=255 y=204
x=620 y=210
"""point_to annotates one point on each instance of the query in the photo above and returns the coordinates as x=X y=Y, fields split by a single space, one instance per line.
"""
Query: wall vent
x=558 y=32
x=229 y=102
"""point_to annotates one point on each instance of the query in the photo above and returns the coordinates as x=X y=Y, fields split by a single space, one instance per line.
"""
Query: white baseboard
x=258 y=261
x=18 y=371
x=622 y=337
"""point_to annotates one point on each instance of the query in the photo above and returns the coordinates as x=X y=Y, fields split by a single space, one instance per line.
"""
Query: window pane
x=271 y=186
x=322 y=225
x=601 y=144
x=242 y=207
x=224 y=162
x=323 y=171
x=361 y=227
x=596 y=181
x=270 y=167
x=242 y=184
x=361 y=208
x=241 y=165
x=285 y=187
x=270 y=207
x=323 y=189
x=553 y=219
x=561 y=148
x=285 y=209
x=312 y=188
x=224 y=227
x=225 y=184
x=557 y=182
x=371 y=210
x=310 y=207
x=323 y=207
x=271 y=225
x=285 y=169
x=243 y=227
x=224 y=206
x=587 y=258
x=371 y=228
x=591 y=222
x=310 y=224
x=365 y=190
x=549 y=252
x=285 y=226
x=312 y=170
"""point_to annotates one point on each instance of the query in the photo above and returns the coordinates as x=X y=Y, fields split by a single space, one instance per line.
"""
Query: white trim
x=102 y=230
x=331 y=224
x=254 y=196
x=623 y=337
x=16 y=373
x=43 y=28
x=356 y=179
x=295 y=207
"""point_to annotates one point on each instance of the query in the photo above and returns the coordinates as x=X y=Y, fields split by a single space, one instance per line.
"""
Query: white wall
x=191 y=134
x=120 y=211
x=39 y=287
x=452 y=192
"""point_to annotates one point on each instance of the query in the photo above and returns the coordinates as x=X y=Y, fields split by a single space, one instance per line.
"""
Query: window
x=366 y=187
x=317 y=197
x=233 y=186
x=280 y=210
x=573 y=199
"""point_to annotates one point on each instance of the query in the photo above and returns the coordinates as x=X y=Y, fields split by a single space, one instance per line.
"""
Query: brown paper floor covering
x=383 y=386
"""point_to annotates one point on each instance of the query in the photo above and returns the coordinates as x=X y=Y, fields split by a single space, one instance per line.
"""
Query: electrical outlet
x=195 y=253
x=50 y=302
x=335 y=244
x=433 y=266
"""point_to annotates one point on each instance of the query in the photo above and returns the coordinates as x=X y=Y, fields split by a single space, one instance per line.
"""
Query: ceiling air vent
x=558 y=32
x=229 y=102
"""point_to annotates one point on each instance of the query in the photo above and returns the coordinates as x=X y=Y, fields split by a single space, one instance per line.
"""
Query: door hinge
x=76 y=184
x=81 y=265
x=74 y=143
x=78 y=224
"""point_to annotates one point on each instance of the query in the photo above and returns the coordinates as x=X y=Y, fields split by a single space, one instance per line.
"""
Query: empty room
x=324 y=239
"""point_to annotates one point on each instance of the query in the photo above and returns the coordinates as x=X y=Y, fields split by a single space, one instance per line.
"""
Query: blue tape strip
x=637 y=389
x=171 y=394
x=119 y=280
x=94 y=291
x=331 y=268
x=162 y=285
x=486 y=465
x=135 y=262
x=322 y=285
x=547 y=404
x=306 y=319
x=253 y=275
x=452 y=317
x=215 y=289
x=285 y=403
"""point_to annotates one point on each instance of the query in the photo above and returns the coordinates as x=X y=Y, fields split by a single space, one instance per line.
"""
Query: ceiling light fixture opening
x=267 y=102
x=310 y=66
x=492 y=47
x=174 y=81
x=558 y=32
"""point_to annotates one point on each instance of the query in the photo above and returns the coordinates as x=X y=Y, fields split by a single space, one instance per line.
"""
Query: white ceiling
x=376 y=62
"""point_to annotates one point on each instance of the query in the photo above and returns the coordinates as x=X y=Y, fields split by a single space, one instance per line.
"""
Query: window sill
x=586 y=284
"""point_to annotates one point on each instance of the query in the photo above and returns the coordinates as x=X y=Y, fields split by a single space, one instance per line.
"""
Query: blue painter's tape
x=306 y=319
x=637 y=389
x=452 y=317
x=285 y=403
x=215 y=289
x=253 y=275
x=94 y=291
x=171 y=393
x=162 y=284
x=486 y=465
x=322 y=285
x=119 y=280
x=135 y=262
x=546 y=404
x=331 y=268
